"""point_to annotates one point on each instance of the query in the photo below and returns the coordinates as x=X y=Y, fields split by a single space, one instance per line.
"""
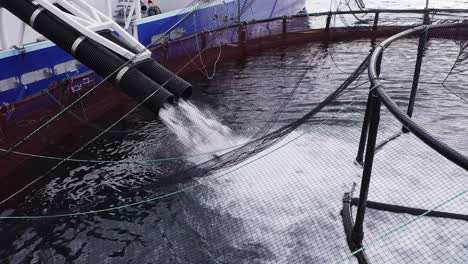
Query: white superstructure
x=15 y=33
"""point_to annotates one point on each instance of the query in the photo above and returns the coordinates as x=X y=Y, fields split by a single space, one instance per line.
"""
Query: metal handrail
x=389 y=11
x=368 y=11
x=375 y=11
x=430 y=140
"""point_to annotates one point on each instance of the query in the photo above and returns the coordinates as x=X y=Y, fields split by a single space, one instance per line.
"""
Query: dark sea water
x=279 y=205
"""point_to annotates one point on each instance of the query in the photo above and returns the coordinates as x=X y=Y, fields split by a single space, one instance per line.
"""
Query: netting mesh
x=140 y=196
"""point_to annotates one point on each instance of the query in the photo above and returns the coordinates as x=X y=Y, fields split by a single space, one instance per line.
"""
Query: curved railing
x=419 y=131
x=377 y=96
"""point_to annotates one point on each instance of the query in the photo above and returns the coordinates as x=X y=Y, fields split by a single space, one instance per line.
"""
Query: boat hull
x=27 y=106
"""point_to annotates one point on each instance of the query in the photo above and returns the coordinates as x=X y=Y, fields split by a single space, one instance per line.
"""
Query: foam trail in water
x=200 y=132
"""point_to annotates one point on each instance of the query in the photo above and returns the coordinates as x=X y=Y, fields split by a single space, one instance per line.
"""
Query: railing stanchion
x=417 y=74
x=365 y=123
x=242 y=32
x=285 y=26
x=364 y=132
x=4 y=41
x=376 y=21
x=203 y=40
x=357 y=234
x=329 y=17
x=375 y=28
x=427 y=19
x=239 y=12
x=165 y=58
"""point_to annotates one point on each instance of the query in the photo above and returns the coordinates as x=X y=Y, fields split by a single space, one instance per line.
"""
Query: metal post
x=285 y=25
x=329 y=17
x=357 y=234
x=426 y=19
x=242 y=32
x=239 y=11
x=365 y=124
x=109 y=8
x=138 y=9
x=4 y=42
x=22 y=30
x=375 y=28
x=203 y=40
x=3 y=35
x=376 y=21
x=364 y=132
x=165 y=59
x=417 y=73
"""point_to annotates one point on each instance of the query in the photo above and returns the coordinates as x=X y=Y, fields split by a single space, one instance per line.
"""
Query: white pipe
x=21 y=32
x=88 y=28
x=138 y=9
x=74 y=22
x=123 y=33
x=76 y=11
x=109 y=8
x=4 y=42
x=129 y=17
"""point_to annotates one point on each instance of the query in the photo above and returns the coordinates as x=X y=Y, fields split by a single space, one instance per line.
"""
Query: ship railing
x=376 y=14
x=379 y=23
x=135 y=14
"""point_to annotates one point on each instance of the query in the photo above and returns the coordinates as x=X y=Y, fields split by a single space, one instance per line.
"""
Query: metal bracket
x=88 y=20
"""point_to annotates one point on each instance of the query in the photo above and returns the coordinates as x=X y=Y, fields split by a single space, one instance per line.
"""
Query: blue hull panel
x=45 y=57
x=32 y=61
x=210 y=17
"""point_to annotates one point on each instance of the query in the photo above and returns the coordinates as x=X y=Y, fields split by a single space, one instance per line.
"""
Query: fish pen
x=326 y=137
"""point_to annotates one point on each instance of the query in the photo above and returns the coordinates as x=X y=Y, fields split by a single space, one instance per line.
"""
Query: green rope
x=147 y=200
x=123 y=161
x=401 y=227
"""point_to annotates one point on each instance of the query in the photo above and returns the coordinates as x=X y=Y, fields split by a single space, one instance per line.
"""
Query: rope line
x=85 y=122
x=122 y=161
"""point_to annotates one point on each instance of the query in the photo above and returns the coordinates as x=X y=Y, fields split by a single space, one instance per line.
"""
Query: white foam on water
x=199 y=131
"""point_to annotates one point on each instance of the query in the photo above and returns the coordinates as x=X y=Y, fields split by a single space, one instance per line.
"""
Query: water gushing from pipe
x=199 y=131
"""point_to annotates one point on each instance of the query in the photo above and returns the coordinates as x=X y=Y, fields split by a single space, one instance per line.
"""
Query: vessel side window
x=69 y=66
x=8 y=84
x=35 y=76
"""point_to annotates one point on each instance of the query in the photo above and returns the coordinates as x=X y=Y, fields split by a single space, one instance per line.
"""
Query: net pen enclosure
x=250 y=131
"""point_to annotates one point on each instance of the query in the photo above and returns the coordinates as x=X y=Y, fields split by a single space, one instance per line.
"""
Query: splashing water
x=199 y=132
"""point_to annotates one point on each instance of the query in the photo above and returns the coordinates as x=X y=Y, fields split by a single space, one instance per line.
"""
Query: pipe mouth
x=186 y=93
x=170 y=99
x=161 y=75
x=162 y=97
